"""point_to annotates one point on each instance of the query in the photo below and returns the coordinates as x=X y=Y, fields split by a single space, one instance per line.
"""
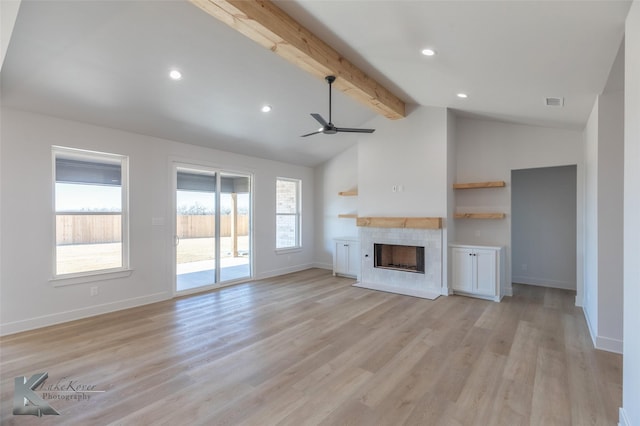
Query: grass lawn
x=91 y=257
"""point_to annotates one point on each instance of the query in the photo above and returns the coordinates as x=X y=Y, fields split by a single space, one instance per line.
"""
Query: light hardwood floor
x=309 y=349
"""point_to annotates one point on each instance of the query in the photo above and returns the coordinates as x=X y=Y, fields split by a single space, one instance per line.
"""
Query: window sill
x=289 y=250
x=90 y=277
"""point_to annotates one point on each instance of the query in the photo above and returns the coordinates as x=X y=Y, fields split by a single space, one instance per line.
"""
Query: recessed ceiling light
x=428 y=52
x=266 y=108
x=462 y=95
x=175 y=75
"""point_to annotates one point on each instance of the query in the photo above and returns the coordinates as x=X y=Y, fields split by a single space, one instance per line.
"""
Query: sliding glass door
x=212 y=233
x=235 y=220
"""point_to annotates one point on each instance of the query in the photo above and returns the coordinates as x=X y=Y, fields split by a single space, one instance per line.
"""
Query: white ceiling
x=107 y=63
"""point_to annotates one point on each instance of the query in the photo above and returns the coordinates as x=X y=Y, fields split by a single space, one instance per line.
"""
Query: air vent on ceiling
x=554 y=102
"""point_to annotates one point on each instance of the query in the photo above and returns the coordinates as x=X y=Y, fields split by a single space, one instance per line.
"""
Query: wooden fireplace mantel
x=400 y=222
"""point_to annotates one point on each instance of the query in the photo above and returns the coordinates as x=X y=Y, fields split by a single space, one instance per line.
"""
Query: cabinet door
x=353 y=260
x=486 y=279
x=462 y=269
x=342 y=258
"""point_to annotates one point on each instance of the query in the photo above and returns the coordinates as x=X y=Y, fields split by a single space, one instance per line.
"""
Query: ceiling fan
x=329 y=128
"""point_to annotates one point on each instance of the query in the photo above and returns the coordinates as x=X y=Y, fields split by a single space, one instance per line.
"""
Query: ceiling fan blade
x=309 y=134
x=319 y=119
x=350 y=130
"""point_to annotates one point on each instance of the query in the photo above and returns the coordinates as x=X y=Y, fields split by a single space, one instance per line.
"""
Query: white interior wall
x=29 y=300
x=407 y=154
x=590 y=302
x=338 y=174
x=630 y=411
x=604 y=160
x=543 y=226
x=610 y=209
x=410 y=153
x=450 y=223
x=488 y=150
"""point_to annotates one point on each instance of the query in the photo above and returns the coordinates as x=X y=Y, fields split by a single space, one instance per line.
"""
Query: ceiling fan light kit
x=327 y=127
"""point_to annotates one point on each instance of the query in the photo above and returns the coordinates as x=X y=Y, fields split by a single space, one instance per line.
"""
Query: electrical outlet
x=93 y=291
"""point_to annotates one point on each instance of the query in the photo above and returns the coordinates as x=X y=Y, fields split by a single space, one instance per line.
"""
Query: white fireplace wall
x=430 y=239
x=416 y=153
x=409 y=154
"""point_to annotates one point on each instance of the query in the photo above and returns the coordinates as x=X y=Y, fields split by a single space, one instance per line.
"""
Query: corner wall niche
x=479 y=185
x=348 y=193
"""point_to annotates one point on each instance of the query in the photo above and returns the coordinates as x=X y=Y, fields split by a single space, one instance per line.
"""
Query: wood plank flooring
x=309 y=349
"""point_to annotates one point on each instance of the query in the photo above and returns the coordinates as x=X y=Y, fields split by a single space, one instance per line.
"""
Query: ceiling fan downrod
x=328 y=128
x=330 y=79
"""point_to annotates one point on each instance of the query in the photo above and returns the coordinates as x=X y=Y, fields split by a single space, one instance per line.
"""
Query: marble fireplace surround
x=421 y=232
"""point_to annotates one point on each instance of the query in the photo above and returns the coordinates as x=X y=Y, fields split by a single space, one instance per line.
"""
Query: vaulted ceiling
x=107 y=63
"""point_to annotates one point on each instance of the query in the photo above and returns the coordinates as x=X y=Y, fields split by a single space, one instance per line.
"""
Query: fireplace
x=399 y=257
x=421 y=251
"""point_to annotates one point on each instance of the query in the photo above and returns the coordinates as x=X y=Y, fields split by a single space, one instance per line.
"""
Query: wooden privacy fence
x=106 y=228
x=200 y=226
x=88 y=228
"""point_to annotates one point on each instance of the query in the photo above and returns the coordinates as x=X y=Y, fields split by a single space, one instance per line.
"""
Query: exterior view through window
x=213 y=238
x=90 y=212
x=288 y=213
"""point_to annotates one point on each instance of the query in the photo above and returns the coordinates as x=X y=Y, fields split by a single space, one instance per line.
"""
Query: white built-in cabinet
x=346 y=257
x=477 y=270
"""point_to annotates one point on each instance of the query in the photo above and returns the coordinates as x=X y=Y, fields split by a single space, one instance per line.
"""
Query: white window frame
x=298 y=215
x=98 y=274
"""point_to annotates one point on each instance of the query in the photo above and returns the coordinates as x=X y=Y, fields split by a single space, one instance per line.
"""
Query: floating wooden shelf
x=349 y=193
x=479 y=216
x=401 y=222
x=348 y=215
x=476 y=185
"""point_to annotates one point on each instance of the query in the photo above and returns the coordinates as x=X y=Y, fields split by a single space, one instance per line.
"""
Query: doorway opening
x=543 y=226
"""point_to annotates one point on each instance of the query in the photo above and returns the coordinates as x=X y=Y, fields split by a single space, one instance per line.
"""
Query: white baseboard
x=508 y=291
x=446 y=291
x=600 y=342
x=75 y=314
x=320 y=265
x=565 y=285
x=283 y=271
x=609 y=345
x=592 y=332
x=623 y=420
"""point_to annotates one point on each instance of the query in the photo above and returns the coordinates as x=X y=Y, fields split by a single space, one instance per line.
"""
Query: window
x=91 y=220
x=288 y=213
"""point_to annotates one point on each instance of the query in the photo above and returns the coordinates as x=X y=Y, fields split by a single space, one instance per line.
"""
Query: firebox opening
x=400 y=258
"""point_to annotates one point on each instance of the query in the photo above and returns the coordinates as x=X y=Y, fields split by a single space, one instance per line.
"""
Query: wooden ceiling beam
x=266 y=24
